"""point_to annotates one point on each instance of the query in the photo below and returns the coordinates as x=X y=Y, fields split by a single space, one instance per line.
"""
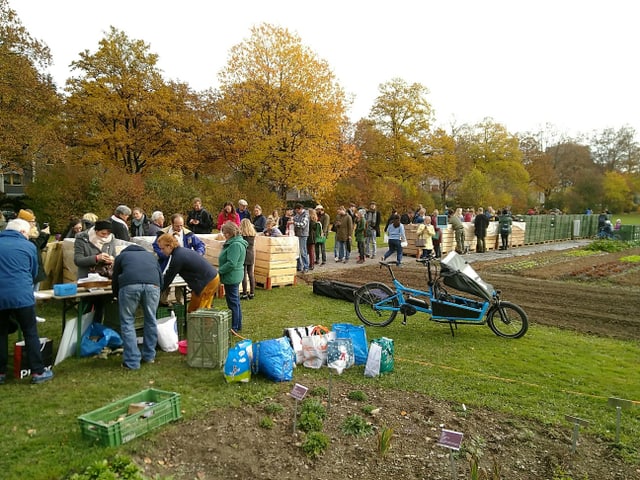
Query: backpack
x=504 y=227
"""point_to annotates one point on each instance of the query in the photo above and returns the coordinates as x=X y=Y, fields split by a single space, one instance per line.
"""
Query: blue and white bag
x=237 y=366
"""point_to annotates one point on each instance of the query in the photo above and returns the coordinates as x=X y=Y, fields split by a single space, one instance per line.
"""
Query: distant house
x=12 y=184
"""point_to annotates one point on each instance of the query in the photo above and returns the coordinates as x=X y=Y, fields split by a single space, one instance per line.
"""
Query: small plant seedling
x=357 y=395
x=312 y=405
x=310 y=422
x=384 y=440
x=266 y=422
x=357 y=426
x=274 y=408
x=315 y=444
x=319 y=392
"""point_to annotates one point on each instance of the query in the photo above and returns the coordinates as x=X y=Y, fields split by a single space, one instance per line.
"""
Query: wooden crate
x=276 y=259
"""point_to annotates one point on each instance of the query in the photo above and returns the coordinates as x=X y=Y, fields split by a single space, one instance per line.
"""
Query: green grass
x=544 y=376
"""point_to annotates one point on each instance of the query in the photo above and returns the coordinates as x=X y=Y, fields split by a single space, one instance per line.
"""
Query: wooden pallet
x=268 y=283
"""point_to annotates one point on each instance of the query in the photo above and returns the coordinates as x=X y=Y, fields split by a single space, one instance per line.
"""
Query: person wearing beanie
x=93 y=250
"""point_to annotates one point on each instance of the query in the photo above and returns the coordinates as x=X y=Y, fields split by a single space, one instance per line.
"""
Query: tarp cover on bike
x=458 y=274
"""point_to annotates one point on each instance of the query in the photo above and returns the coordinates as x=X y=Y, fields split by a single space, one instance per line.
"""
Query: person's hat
x=102 y=225
x=299 y=205
x=319 y=207
x=27 y=216
x=242 y=202
x=372 y=202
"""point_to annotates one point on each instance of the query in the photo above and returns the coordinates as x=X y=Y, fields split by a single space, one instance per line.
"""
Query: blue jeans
x=26 y=318
x=129 y=297
x=343 y=250
x=303 y=259
x=394 y=246
x=232 y=297
x=370 y=243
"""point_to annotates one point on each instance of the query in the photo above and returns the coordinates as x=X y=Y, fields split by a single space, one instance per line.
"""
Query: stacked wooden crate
x=275 y=261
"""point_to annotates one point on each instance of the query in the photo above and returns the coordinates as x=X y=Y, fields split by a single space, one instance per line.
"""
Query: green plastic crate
x=102 y=425
x=208 y=337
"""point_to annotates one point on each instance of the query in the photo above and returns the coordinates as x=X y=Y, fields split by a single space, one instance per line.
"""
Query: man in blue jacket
x=137 y=281
x=18 y=270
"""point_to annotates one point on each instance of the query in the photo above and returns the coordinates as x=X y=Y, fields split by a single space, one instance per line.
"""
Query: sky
x=524 y=64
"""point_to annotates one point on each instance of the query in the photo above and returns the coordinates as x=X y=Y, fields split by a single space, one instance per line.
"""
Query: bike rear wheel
x=507 y=320
x=376 y=304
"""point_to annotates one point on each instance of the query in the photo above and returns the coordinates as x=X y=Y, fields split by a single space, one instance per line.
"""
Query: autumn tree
x=617 y=150
x=441 y=161
x=489 y=148
x=29 y=104
x=120 y=112
x=402 y=114
x=283 y=115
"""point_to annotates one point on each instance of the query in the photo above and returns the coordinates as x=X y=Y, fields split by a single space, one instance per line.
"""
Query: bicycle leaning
x=377 y=305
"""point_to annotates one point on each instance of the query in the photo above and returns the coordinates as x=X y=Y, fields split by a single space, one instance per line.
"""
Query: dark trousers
x=481 y=245
x=26 y=318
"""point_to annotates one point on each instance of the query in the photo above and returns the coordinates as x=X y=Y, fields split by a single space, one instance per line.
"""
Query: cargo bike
x=377 y=304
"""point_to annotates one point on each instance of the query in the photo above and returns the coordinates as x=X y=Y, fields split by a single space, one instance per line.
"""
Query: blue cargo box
x=63 y=289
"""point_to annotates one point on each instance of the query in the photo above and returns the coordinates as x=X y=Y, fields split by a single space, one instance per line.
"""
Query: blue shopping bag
x=358 y=336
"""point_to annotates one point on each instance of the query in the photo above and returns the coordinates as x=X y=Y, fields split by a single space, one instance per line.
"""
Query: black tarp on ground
x=337 y=290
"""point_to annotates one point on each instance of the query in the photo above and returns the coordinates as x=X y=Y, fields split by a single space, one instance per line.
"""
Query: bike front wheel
x=376 y=304
x=508 y=320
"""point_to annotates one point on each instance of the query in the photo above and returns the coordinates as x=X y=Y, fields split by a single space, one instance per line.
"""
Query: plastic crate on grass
x=112 y=425
x=208 y=337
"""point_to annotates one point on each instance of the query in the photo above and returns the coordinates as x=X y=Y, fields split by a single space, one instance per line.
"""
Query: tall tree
x=29 y=104
x=492 y=150
x=617 y=150
x=121 y=112
x=283 y=114
x=403 y=115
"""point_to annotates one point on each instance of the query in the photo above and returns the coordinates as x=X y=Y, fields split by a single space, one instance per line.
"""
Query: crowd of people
x=142 y=279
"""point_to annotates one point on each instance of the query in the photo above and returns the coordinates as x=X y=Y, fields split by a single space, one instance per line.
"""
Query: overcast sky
x=572 y=64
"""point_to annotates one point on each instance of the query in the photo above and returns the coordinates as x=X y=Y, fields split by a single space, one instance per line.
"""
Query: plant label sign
x=299 y=391
x=450 y=439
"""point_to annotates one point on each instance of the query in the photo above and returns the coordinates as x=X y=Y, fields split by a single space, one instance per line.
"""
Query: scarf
x=97 y=241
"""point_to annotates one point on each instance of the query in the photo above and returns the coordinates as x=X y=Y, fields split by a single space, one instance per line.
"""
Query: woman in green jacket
x=231 y=270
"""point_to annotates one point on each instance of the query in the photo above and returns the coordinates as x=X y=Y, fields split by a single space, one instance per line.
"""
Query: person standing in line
x=373 y=219
x=458 y=229
x=259 y=220
x=227 y=214
x=157 y=223
x=198 y=219
x=248 y=232
x=321 y=247
x=301 y=230
x=344 y=229
x=396 y=237
x=137 y=281
x=199 y=275
x=271 y=228
x=231 y=269
x=311 y=239
x=360 y=232
x=504 y=224
x=425 y=232
x=119 y=225
x=242 y=211
x=40 y=238
x=285 y=224
x=18 y=270
x=139 y=223
x=481 y=224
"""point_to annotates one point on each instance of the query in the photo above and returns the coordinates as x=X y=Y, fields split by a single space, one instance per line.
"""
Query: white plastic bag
x=168 y=333
x=372 y=368
x=314 y=347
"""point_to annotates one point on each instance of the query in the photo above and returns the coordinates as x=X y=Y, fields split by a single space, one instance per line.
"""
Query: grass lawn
x=545 y=375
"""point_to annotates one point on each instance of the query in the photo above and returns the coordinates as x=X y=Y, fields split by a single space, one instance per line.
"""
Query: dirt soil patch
x=595 y=294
